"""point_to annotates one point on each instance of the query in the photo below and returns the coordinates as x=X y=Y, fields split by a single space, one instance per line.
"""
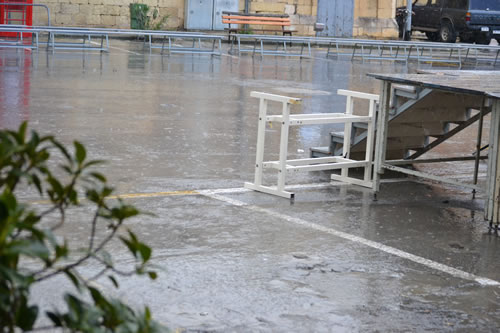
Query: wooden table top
x=486 y=83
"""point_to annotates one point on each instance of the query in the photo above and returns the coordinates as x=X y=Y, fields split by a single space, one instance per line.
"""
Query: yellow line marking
x=152 y=195
x=39 y=202
x=132 y=196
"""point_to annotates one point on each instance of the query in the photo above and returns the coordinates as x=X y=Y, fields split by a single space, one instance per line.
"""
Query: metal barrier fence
x=430 y=52
x=54 y=35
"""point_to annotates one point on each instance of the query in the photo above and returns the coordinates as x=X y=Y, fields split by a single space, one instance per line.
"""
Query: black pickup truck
x=445 y=20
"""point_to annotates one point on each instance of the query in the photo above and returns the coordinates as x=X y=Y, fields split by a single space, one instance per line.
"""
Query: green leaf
x=54 y=318
x=62 y=251
x=131 y=246
x=80 y=152
x=96 y=296
x=106 y=257
x=17 y=280
x=49 y=235
x=100 y=177
x=27 y=316
x=113 y=280
x=22 y=131
x=73 y=197
x=28 y=247
x=147 y=313
x=93 y=162
x=125 y=211
x=4 y=212
x=73 y=278
x=106 y=191
x=152 y=275
x=61 y=148
x=9 y=200
x=57 y=188
x=145 y=252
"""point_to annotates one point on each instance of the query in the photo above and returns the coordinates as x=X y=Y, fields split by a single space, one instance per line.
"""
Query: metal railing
x=197 y=45
x=29 y=5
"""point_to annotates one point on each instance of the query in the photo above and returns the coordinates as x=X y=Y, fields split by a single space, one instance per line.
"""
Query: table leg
x=381 y=141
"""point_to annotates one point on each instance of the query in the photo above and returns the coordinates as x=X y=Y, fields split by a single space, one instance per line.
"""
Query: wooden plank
x=261 y=30
x=255 y=14
x=256 y=22
x=474 y=83
x=258 y=18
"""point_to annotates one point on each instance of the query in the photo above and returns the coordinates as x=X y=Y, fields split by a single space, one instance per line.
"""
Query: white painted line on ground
x=360 y=240
x=243 y=190
x=299 y=186
x=219 y=191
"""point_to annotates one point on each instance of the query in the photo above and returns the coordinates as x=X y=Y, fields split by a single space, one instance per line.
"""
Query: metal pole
x=381 y=140
x=247 y=9
x=478 y=144
x=30 y=5
x=492 y=208
x=409 y=5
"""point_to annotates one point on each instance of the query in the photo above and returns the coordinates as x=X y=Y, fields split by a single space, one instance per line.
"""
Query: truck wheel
x=446 y=33
x=483 y=39
x=432 y=36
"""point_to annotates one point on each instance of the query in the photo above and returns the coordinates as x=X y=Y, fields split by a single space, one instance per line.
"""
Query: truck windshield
x=485 y=4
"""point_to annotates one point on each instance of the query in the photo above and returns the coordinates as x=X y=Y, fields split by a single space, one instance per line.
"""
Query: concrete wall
x=116 y=14
x=302 y=13
x=372 y=18
x=105 y=13
x=375 y=19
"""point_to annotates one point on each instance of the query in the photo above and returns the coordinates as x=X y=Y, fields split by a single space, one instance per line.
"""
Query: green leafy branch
x=25 y=162
x=147 y=18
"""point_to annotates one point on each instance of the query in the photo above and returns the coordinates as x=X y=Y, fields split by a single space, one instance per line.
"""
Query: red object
x=16 y=14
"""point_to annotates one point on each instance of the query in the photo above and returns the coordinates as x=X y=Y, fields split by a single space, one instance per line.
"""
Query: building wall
x=105 y=13
x=375 y=19
x=116 y=14
x=372 y=18
x=302 y=13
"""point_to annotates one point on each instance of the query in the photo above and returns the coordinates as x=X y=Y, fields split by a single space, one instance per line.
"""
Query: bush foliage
x=65 y=178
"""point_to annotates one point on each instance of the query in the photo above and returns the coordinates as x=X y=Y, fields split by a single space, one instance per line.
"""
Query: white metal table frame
x=283 y=165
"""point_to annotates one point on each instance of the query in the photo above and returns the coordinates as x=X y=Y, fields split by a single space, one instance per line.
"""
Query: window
x=420 y=2
x=459 y=4
x=485 y=4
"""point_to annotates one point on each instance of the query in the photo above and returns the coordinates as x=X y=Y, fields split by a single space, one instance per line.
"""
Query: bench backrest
x=260 y=20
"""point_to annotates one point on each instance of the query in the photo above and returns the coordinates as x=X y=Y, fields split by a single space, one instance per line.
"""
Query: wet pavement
x=240 y=261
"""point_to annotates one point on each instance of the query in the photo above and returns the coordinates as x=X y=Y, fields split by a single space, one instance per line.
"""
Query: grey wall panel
x=338 y=17
x=219 y=7
x=198 y=14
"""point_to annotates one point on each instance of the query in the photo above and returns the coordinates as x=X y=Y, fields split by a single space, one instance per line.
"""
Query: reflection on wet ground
x=186 y=122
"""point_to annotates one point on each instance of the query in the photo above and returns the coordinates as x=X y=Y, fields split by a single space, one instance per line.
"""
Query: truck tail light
x=467 y=17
